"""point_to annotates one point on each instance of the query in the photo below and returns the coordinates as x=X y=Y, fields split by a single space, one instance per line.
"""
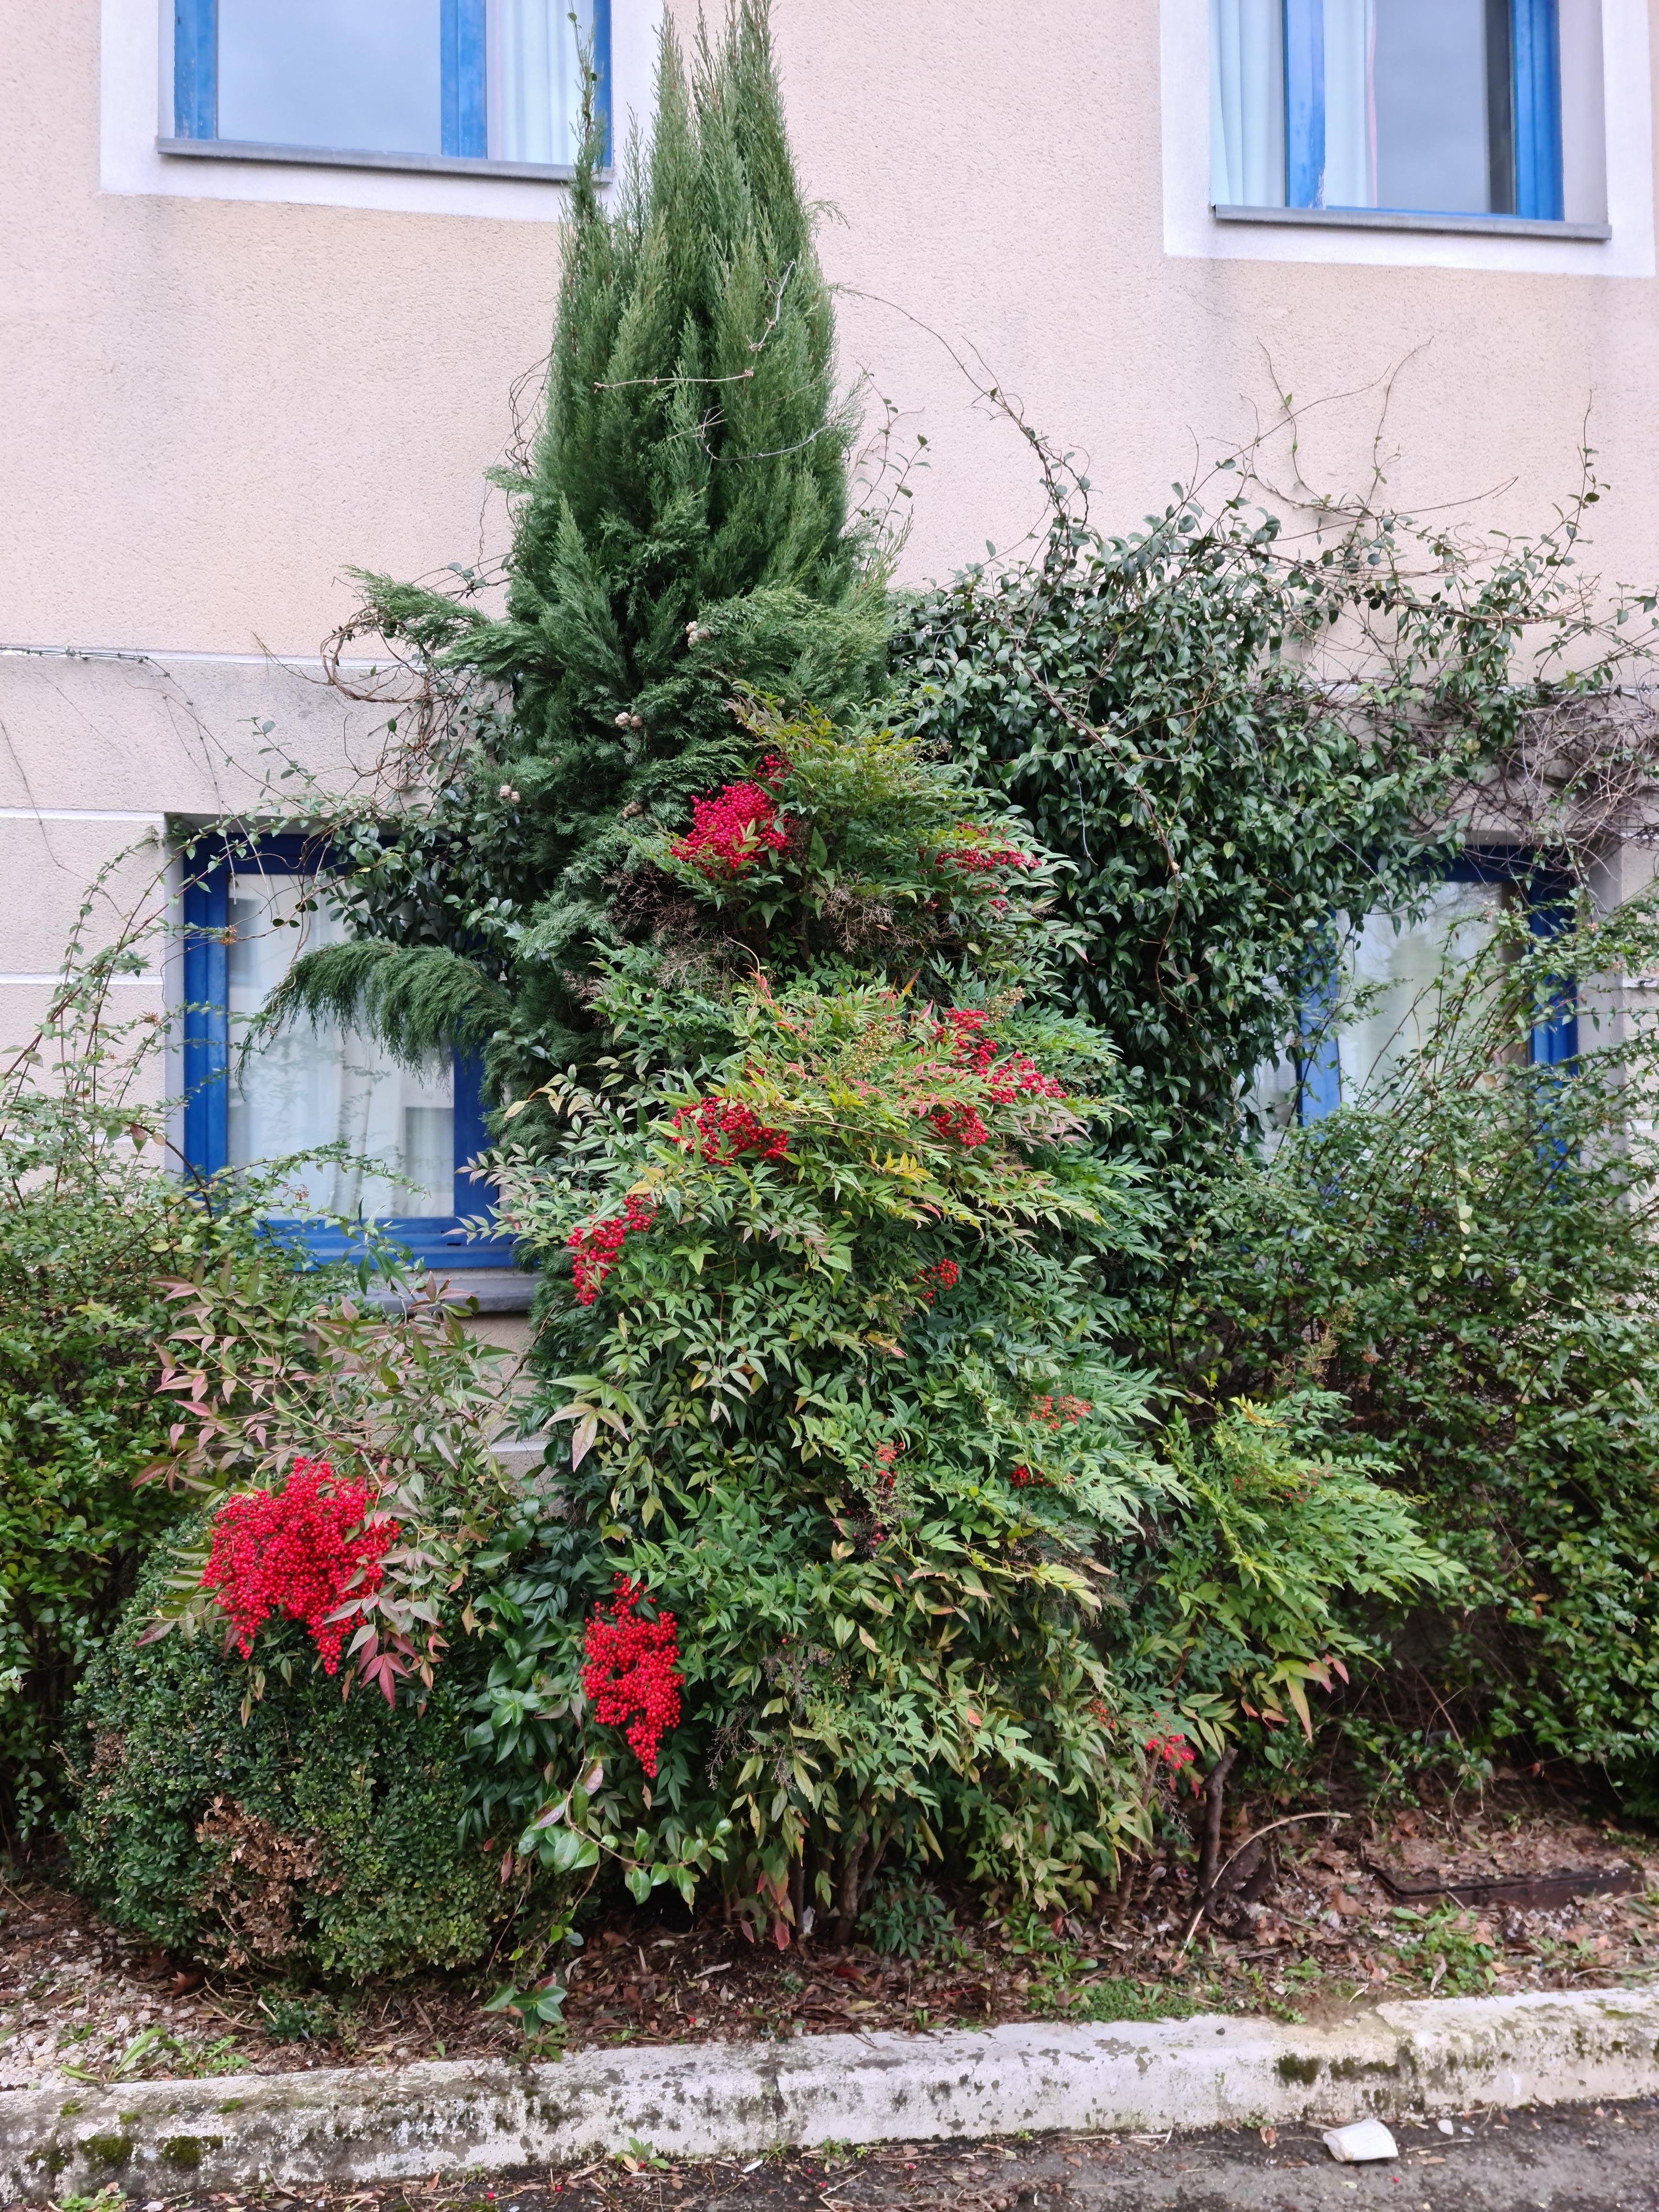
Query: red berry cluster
x=962 y=1029
x=962 y=1122
x=593 y=1250
x=720 y=1129
x=959 y=1026
x=1023 y=1478
x=1018 y=1076
x=943 y=1277
x=1172 y=1749
x=1051 y=1412
x=977 y=859
x=730 y=831
x=632 y=1678
x=301 y=1551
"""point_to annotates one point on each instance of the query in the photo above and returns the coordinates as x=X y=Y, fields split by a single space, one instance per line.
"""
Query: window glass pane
x=1429 y=89
x=353 y=75
x=1402 y=965
x=536 y=78
x=317 y=1085
x=1272 y=1099
x=1246 y=103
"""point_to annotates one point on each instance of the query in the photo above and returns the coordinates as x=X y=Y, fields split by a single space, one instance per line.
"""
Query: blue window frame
x=1547 y=894
x=418 y=82
x=1409 y=106
x=448 y=1240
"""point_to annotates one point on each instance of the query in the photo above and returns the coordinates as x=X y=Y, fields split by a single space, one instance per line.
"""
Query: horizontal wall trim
x=51 y=982
x=319 y=157
x=1475 y=226
x=140 y=654
x=71 y=814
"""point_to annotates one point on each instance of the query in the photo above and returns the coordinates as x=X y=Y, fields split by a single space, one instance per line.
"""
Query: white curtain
x=538 y=78
x=314 y=1085
x=1246 y=103
x=1349 y=104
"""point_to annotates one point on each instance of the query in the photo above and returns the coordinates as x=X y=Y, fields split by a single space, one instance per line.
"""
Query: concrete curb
x=491 y=2116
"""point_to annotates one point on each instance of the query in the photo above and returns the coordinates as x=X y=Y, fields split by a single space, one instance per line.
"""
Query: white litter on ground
x=1361 y=2143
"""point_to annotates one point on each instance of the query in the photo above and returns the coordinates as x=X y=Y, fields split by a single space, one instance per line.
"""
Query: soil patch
x=1304 y=1930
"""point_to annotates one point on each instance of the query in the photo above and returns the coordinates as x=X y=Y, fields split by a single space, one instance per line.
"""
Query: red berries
x=944 y=1276
x=632 y=1678
x=730 y=831
x=593 y=1250
x=1051 y=1412
x=1015 y=1075
x=962 y=1122
x=977 y=859
x=299 y=1551
x=1172 y=1749
x=720 y=1129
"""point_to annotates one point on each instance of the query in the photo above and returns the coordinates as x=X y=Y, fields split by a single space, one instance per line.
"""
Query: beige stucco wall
x=213 y=405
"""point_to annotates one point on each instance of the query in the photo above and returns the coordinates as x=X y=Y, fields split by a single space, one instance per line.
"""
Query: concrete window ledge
x=1473 y=226
x=327 y=157
x=497 y=1290
x=359 y=2126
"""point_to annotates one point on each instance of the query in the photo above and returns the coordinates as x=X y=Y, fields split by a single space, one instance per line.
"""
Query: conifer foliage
x=682 y=526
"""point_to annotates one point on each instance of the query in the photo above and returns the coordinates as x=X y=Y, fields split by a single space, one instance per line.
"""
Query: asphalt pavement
x=1564 y=2158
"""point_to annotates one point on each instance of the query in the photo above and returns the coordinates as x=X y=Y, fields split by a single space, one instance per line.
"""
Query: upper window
x=420 y=82
x=1413 y=107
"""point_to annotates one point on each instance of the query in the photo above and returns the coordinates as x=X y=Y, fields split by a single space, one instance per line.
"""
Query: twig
x=1288 y=1821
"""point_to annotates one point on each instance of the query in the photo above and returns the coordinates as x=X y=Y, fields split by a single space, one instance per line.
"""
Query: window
x=1411 y=107
x=1395 y=966
x=313 y=1086
x=405 y=83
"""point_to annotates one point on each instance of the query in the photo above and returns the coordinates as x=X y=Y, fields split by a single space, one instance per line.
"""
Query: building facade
x=273 y=271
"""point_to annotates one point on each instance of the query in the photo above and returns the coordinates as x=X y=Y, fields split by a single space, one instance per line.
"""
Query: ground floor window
x=404 y=1136
x=1391 y=966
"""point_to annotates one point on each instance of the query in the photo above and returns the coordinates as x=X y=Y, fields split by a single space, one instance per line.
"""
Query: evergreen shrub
x=1254 y=721
x=681 y=525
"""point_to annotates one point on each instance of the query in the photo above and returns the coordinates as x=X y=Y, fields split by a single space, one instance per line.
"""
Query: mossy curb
x=361 y=2126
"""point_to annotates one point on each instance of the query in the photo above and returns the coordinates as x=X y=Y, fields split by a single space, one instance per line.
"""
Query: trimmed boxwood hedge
x=321 y=1837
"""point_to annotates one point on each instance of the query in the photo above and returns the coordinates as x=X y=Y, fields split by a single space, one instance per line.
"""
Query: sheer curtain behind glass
x=1350 y=53
x=351 y=76
x=1403 y=104
x=536 y=73
x=1408 y=85
x=313 y=1085
x=1399 y=968
x=1246 y=103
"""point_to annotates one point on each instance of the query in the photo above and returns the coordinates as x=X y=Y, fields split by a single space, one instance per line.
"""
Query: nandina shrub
x=846 y=1409
x=299 y=1835
x=91 y=1227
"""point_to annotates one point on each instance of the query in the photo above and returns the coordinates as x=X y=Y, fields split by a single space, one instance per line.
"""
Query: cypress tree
x=683 y=527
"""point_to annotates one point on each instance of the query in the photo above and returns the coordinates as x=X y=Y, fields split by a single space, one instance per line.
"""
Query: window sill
x=492 y=1290
x=321 y=157
x=1475 y=226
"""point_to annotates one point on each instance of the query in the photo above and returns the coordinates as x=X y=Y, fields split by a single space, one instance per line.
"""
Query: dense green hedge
x=1466 y=1262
